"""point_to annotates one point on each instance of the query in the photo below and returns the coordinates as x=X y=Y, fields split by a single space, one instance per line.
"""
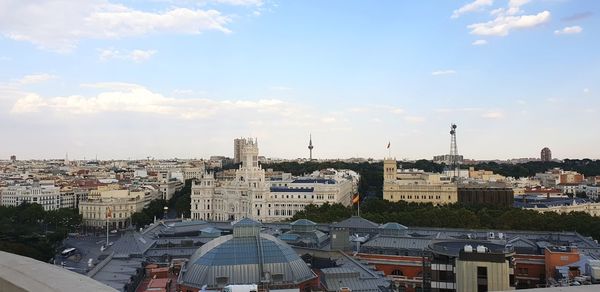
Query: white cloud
x=35 y=78
x=569 y=30
x=137 y=55
x=514 y=6
x=471 y=7
x=443 y=72
x=586 y=90
x=493 y=115
x=414 y=119
x=125 y=97
x=29 y=104
x=397 y=111
x=479 y=43
x=328 y=120
x=521 y=102
x=504 y=23
x=509 y=18
x=241 y=2
x=59 y=25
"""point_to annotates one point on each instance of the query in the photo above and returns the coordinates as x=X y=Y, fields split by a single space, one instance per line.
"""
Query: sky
x=128 y=79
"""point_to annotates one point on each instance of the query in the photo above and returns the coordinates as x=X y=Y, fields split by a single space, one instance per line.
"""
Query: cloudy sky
x=183 y=78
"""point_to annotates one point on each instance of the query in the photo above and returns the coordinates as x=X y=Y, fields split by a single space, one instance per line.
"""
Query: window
x=397 y=273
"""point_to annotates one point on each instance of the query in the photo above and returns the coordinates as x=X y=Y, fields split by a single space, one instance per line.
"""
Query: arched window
x=397 y=273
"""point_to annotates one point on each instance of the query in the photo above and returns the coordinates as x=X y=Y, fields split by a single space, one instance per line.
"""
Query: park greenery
x=455 y=216
x=30 y=231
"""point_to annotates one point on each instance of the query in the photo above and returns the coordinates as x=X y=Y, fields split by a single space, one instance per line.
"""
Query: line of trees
x=30 y=231
x=371 y=184
x=179 y=204
x=456 y=216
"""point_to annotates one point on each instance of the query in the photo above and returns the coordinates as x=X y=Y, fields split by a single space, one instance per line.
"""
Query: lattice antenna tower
x=453 y=150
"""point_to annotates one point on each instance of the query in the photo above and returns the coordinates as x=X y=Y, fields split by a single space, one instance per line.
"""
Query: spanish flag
x=108 y=212
x=355 y=199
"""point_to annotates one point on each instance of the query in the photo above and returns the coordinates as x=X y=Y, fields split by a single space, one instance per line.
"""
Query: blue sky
x=183 y=78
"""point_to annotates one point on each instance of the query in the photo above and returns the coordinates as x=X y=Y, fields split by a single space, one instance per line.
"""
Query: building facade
x=546 y=154
x=249 y=194
x=416 y=186
x=48 y=196
x=108 y=204
x=237 y=149
x=452 y=266
x=503 y=197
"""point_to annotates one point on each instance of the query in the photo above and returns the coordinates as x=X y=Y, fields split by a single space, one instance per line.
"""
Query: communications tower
x=310 y=146
x=454 y=160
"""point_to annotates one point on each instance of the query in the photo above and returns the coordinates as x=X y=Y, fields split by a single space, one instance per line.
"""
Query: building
x=70 y=197
x=466 y=265
x=168 y=188
x=571 y=177
x=246 y=257
x=48 y=196
x=416 y=186
x=112 y=205
x=567 y=206
x=249 y=194
x=13 y=158
x=237 y=149
x=448 y=159
x=556 y=176
x=484 y=175
x=561 y=256
x=192 y=172
x=477 y=195
x=546 y=154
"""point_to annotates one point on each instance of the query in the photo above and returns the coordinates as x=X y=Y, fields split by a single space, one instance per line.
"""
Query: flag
x=389 y=144
x=355 y=199
x=108 y=213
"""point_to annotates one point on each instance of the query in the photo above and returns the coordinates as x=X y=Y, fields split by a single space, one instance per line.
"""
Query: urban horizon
x=108 y=80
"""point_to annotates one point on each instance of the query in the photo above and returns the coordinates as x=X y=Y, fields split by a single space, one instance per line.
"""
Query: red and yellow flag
x=355 y=199
x=108 y=212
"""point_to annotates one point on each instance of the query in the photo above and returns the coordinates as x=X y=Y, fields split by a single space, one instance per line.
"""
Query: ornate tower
x=390 y=168
x=310 y=146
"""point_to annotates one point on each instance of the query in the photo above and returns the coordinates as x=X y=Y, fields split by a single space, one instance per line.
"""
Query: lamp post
x=166 y=212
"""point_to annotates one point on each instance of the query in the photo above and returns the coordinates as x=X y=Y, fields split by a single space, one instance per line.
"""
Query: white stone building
x=251 y=195
x=48 y=196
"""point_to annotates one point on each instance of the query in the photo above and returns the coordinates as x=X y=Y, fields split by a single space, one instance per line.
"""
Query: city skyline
x=183 y=78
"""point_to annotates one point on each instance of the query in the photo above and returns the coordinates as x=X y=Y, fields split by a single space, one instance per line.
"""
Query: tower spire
x=310 y=146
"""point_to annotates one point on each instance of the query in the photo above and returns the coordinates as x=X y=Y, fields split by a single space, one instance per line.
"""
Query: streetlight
x=166 y=211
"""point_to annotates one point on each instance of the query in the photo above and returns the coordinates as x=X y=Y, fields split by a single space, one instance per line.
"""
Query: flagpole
x=389 y=149
x=107 y=229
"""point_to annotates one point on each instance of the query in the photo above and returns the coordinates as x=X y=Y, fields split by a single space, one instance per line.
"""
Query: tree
x=140 y=219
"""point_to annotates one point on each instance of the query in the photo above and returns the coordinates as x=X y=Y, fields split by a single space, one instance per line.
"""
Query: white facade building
x=250 y=195
x=48 y=196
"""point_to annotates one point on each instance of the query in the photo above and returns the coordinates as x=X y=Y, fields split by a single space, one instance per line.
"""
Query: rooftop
x=18 y=273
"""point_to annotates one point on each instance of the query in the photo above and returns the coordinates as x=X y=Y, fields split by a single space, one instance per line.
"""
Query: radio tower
x=310 y=146
x=454 y=151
